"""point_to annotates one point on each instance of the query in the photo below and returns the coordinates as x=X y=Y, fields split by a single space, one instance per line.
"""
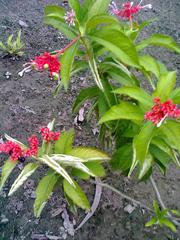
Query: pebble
x=4 y=219
x=129 y=208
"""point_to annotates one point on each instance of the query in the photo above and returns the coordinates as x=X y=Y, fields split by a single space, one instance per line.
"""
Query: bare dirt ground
x=26 y=104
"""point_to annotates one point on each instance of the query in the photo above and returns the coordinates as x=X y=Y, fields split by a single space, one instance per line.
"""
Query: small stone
x=129 y=208
x=7 y=75
x=4 y=219
x=22 y=23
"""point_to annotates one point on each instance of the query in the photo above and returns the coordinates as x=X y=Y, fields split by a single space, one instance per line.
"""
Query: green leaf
x=94 y=70
x=137 y=93
x=78 y=66
x=85 y=94
x=166 y=81
x=68 y=160
x=156 y=208
x=80 y=174
x=64 y=143
x=171 y=130
x=96 y=168
x=75 y=5
x=123 y=110
x=150 y=64
x=159 y=40
x=2 y=46
x=146 y=166
x=118 y=43
x=122 y=158
x=76 y=194
x=59 y=24
x=43 y=192
x=9 y=40
x=175 y=96
x=141 y=144
x=153 y=221
x=89 y=154
x=66 y=64
x=28 y=170
x=100 y=19
x=98 y=7
x=7 y=168
x=54 y=11
x=168 y=224
x=56 y=167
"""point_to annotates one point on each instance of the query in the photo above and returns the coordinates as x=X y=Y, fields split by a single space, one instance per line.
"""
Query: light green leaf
x=94 y=70
x=141 y=144
x=137 y=93
x=118 y=43
x=123 y=110
x=89 y=154
x=66 y=64
x=150 y=64
x=159 y=40
x=28 y=170
x=168 y=224
x=68 y=160
x=64 y=143
x=56 y=167
x=100 y=19
x=147 y=164
x=96 y=168
x=43 y=192
x=7 y=168
x=175 y=96
x=85 y=94
x=98 y=7
x=76 y=194
x=2 y=46
x=166 y=81
x=80 y=174
x=54 y=11
x=171 y=130
x=153 y=221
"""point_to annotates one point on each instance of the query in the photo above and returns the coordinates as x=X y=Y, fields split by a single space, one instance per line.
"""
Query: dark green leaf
x=122 y=158
x=85 y=94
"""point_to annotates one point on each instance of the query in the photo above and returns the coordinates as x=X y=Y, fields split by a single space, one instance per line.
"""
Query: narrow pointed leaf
x=147 y=164
x=44 y=191
x=159 y=40
x=94 y=70
x=66 y=64
x=28 y=170
x=7 y=168
x=56 y=167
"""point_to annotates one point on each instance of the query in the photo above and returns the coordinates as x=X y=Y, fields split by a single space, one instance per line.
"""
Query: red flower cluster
x=16 y=152
x=48 y=135
x=33 y=146
x=160 y=111
x=128 y=10
x=47 y=61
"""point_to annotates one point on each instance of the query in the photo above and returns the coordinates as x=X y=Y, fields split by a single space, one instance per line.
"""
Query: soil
x=26 y=103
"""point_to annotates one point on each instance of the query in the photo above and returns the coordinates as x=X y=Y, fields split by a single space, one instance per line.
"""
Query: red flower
x=48 y=135
x=13 y=149
x=47 y=61
x=160 y=111
x=33 y=147
x=128 y=10
x=16 y=152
